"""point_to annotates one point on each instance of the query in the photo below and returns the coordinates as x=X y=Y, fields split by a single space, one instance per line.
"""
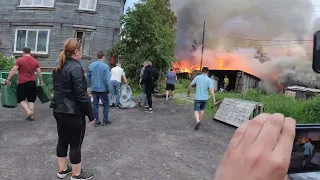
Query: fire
x=183 y=66
x=220 y=64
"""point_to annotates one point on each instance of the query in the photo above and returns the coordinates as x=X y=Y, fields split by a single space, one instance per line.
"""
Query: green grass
x=304 y=111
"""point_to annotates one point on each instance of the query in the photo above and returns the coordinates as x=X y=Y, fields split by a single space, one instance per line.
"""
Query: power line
x=245 y=39
x=274 y=18
x=270 y=45
x=293 y=4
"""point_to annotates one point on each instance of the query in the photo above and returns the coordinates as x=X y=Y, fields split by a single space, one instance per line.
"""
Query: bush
x=6 y=63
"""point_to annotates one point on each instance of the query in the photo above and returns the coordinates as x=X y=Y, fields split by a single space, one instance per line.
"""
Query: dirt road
x=162 y=145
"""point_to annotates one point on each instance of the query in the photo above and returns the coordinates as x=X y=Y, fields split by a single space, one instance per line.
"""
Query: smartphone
x=305 y=156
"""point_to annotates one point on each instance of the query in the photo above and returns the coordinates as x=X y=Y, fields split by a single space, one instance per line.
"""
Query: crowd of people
x=259 y=149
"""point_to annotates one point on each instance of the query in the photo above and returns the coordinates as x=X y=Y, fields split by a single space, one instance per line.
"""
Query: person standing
x=99 y=81
x=307 y=152
x=171 y=77
x=143 y=98
x=149 y=78
x=225 y=82
x=116 y=74
x=70 y=105
x=203 y=83
x=27 y=88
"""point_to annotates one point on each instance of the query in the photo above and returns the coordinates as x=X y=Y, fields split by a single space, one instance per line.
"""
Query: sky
x=130 y=3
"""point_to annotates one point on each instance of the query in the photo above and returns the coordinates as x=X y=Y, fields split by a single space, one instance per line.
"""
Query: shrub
x=6 y=63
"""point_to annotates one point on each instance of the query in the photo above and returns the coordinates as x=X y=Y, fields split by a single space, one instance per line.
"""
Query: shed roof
x=304 y=89
x=248 y=74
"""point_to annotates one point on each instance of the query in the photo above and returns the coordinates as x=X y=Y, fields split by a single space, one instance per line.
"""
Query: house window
x=88 y=5
x=86 y=38
x=37 y=3
x=36 y=39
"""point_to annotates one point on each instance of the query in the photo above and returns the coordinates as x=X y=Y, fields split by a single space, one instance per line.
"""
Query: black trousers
x=149 y=98
x=71 y=130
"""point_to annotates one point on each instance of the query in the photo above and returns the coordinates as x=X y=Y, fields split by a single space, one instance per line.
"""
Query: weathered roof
x=248 y=74
x=304 y=89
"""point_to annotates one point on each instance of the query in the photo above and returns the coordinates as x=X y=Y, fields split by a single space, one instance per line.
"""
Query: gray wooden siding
x=60 y=20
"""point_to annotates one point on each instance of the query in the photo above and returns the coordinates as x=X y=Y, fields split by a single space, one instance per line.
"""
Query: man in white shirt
x=116 y=74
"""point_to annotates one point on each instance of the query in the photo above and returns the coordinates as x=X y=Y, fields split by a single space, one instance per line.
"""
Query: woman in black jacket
x=149 y=79
x=70 y=105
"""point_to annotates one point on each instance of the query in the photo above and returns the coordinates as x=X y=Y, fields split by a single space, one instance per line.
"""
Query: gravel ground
x=140 y=146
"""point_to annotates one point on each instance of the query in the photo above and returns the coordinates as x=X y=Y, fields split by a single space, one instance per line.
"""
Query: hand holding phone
x=260 y=149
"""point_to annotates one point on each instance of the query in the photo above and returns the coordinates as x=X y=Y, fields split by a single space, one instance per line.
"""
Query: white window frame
x=22 y=5
x=33 y=52
x=84 y=36
x=86 y=9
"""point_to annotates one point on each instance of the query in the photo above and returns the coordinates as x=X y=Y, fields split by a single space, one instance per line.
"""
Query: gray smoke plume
x=271 y=20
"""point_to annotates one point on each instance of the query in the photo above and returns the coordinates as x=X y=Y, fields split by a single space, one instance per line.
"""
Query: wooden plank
x=235 y=111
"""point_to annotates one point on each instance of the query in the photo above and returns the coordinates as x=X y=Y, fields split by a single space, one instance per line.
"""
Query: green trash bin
x=43 y=93
x=8 y=97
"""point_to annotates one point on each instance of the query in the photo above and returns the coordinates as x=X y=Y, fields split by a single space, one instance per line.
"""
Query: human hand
x=8 y=83
x=260 y=149
x=41 y=81
x=213 y=103
x=188 y=93
x=92 y=122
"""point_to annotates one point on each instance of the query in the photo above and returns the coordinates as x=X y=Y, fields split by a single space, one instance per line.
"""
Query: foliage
x=148 y=34
x=6 y=63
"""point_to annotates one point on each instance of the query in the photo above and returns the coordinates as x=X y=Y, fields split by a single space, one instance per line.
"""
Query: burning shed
x=239 y=81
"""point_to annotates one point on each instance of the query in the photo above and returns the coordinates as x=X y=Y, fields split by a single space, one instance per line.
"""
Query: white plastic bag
x=126 y=100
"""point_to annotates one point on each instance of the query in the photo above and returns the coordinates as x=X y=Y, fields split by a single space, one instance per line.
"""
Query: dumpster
x=43 y=93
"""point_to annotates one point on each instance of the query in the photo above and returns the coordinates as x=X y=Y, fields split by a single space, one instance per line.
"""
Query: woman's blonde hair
x=69 y=48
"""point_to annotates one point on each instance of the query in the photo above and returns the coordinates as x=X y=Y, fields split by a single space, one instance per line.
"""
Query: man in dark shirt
x=149 y=78
x=26 y=90
x=171 y=77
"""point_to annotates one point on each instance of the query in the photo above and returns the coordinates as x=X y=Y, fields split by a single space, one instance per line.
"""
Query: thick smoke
x=289 y=61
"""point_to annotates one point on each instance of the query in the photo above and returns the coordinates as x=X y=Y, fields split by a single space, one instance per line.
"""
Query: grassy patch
x=304 y=111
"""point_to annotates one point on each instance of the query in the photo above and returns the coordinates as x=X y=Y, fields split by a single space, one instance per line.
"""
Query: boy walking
x=203 y=84
x=99 y=81
x=27 y=88
x=171 y=77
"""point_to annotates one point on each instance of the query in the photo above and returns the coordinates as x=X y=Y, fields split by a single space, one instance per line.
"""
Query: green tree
x=148 y=34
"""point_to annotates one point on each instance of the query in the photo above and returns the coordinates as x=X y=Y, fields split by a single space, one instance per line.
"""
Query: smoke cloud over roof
x=283 y=29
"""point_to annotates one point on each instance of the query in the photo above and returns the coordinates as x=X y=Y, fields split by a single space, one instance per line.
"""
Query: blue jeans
x=200 y=105
x=105 y=100
x=115 y=91
x=143 y=98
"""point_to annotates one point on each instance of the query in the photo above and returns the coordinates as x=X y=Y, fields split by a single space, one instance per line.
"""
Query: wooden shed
x=239 y=81
x=300 y=92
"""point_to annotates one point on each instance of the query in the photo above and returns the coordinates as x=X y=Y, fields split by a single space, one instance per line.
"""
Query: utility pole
x=203 y=34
